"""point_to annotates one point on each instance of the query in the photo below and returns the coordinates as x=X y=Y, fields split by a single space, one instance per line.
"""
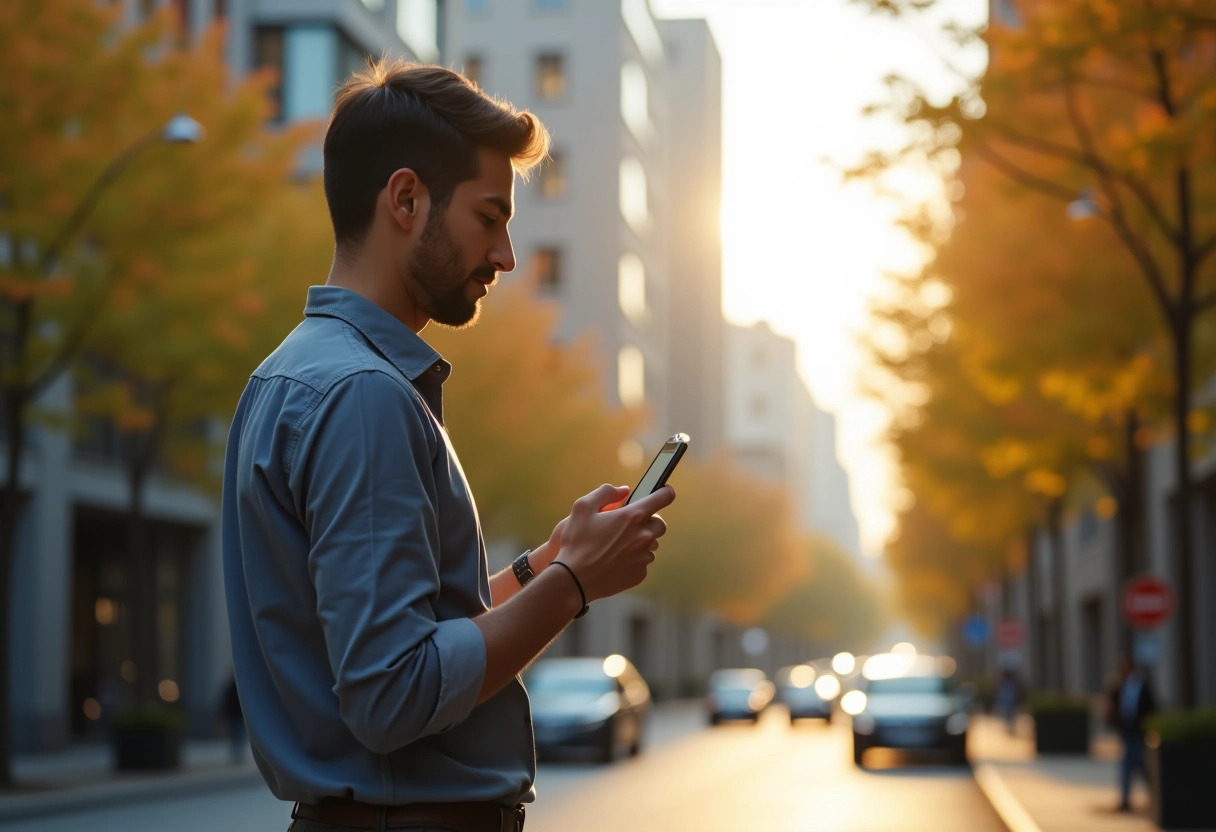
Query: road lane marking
x=1011 y=812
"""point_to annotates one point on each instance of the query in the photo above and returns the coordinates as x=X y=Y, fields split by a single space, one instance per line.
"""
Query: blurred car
x=908 y=702
x=738 y=693
x=597 y=705
x=807 y=691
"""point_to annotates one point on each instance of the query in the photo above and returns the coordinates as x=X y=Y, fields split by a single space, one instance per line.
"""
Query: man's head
x=404 y=140
x=429 y=119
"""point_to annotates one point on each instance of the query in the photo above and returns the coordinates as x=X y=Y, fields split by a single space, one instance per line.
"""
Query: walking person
x=1008 y=697
x=378 y=662
x=1130 y=702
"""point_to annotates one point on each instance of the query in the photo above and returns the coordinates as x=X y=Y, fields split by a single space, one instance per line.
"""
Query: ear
x=407 y=199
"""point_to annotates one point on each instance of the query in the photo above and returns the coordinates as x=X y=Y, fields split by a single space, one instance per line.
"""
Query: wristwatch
x=523 y=569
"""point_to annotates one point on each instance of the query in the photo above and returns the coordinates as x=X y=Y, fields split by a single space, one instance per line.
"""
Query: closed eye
x=488 y=220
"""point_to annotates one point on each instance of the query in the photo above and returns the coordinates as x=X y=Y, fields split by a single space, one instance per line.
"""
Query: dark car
x=738 y=693
x=588 y=705
x=807 y=691
x=908 y=703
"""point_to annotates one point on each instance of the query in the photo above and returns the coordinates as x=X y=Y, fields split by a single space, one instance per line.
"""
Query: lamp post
x=18 y=388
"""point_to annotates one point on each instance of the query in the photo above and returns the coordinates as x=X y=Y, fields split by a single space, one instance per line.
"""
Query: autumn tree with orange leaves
x=105 y=224
x=1109 y=110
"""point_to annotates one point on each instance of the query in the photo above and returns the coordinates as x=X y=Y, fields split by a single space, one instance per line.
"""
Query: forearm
x=504 y=585
x=517 y=631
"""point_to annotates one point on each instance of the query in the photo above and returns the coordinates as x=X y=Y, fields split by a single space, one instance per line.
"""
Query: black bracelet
x=581 y=594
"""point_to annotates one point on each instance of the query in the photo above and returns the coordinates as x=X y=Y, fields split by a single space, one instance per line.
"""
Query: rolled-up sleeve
x=362 y=475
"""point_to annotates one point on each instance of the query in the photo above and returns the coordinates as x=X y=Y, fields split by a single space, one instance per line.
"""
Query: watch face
x=522 y=569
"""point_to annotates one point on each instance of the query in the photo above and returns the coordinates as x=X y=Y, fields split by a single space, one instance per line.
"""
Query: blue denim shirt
x=353 y=562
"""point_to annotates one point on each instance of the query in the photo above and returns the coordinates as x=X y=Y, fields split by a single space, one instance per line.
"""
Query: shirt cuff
x=462 y=668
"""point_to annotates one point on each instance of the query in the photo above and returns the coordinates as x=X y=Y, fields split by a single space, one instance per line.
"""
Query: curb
x=1008 y=809
x=57 y=801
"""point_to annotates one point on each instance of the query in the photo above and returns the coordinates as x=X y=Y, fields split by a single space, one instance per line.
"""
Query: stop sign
x=1010 y=633
x=1147 y=602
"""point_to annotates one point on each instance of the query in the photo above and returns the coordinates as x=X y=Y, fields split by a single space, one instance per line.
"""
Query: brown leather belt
x=457 y=817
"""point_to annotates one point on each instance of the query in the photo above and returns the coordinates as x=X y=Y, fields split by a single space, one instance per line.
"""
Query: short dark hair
x=396 y=114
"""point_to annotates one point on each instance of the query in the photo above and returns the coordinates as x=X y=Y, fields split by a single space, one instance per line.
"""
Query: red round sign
x=1147 y=602
x=1010 y=633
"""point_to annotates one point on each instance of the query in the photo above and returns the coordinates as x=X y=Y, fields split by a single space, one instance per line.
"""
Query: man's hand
x=608 y=544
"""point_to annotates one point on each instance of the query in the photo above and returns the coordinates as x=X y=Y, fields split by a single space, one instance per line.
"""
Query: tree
x=90 y=198
x=1110 y=109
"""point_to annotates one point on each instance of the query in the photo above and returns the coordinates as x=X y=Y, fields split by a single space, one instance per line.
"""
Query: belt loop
x=295 y=807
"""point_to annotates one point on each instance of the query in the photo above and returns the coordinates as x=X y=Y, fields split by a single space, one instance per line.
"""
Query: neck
x=375 y=277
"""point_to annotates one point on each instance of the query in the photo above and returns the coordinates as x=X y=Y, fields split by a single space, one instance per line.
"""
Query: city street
x=736 y=776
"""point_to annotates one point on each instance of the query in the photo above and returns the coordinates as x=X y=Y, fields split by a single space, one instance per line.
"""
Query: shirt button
x=438 y=368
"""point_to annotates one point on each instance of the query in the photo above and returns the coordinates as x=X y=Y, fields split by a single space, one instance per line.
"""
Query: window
x=631 y=285
x=634 y=205
x=547 y=265
x=552 y=179
x=478 y=6
x=472 y=69
x=268 y=54
x=635 y=99
x=550 y=77
x=631 y=375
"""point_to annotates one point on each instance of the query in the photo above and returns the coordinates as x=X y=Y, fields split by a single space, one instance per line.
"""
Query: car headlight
x=957 y=724
x=863 y=724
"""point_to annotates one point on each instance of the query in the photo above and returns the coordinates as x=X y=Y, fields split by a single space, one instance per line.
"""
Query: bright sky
x=801 y=249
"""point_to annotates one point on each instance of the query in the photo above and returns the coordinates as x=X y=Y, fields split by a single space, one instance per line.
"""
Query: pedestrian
x=1130 y=701
x=378 y=660
x=1008 y=697
x=234 y=719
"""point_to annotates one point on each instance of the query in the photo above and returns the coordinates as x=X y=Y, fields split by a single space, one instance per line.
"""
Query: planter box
x=1180 y=780
x=147 y=746
x=1061 y=732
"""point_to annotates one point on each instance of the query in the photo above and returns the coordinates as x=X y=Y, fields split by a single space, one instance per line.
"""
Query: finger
x=601 y=497
x=660 y=499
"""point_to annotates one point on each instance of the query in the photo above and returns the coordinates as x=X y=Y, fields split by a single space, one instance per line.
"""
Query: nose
x=502 y=255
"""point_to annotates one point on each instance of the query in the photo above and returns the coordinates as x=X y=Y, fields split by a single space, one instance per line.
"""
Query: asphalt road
x=737 y=776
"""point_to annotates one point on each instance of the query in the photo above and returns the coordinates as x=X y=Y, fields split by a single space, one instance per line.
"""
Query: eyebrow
x=499 y=203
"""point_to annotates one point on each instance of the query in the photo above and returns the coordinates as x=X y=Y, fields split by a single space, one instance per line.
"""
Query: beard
x=438 y=269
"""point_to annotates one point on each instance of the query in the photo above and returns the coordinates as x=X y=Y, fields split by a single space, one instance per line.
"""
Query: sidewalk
x=1051 y=793
x=84 y=776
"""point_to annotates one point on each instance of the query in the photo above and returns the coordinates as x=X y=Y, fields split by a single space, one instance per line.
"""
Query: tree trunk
x=1033 y=637
x=10 y=515
x=1129 y=556
x=1055 y=532
x=1182 y=510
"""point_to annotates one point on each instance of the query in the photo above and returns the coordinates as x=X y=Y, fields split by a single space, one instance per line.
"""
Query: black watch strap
x=523 y=569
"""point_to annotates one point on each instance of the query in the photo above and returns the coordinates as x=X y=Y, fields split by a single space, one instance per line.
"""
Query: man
x=1130 y=703
x=377 y=660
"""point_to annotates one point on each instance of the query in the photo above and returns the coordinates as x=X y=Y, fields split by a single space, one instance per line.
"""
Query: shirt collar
x=415 y=358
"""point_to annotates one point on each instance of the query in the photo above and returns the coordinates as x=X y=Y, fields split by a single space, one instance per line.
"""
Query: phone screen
x=651 y=478
x=656 y=475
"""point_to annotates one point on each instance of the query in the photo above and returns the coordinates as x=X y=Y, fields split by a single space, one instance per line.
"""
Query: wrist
x=522 y=567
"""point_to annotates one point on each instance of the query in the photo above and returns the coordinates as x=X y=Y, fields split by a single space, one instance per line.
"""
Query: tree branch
x=1024 y=177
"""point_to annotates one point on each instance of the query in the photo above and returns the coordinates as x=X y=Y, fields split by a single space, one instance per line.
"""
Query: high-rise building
x=591 y=226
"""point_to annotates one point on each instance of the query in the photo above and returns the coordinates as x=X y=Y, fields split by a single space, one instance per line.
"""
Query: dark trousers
x=314 y=826
x=1132 y=763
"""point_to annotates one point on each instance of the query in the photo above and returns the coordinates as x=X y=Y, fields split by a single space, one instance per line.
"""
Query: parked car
x=738 y=693
x=807 y=691
x=597 y=705
x=908 y=702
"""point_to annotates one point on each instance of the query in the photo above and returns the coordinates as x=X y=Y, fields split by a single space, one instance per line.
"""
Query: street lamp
x=181 y=129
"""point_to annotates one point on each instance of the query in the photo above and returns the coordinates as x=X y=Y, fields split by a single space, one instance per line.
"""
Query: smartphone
x=664 y=463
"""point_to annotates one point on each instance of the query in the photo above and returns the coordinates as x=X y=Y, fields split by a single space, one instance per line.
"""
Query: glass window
x=547 y=264
x=635 y=99
x=268 y=54
x=631 y=285
x=634 y=204
x=631 y=375
x=550 y=77
x=478 y=6
x=472 y=69
x=552 y=180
